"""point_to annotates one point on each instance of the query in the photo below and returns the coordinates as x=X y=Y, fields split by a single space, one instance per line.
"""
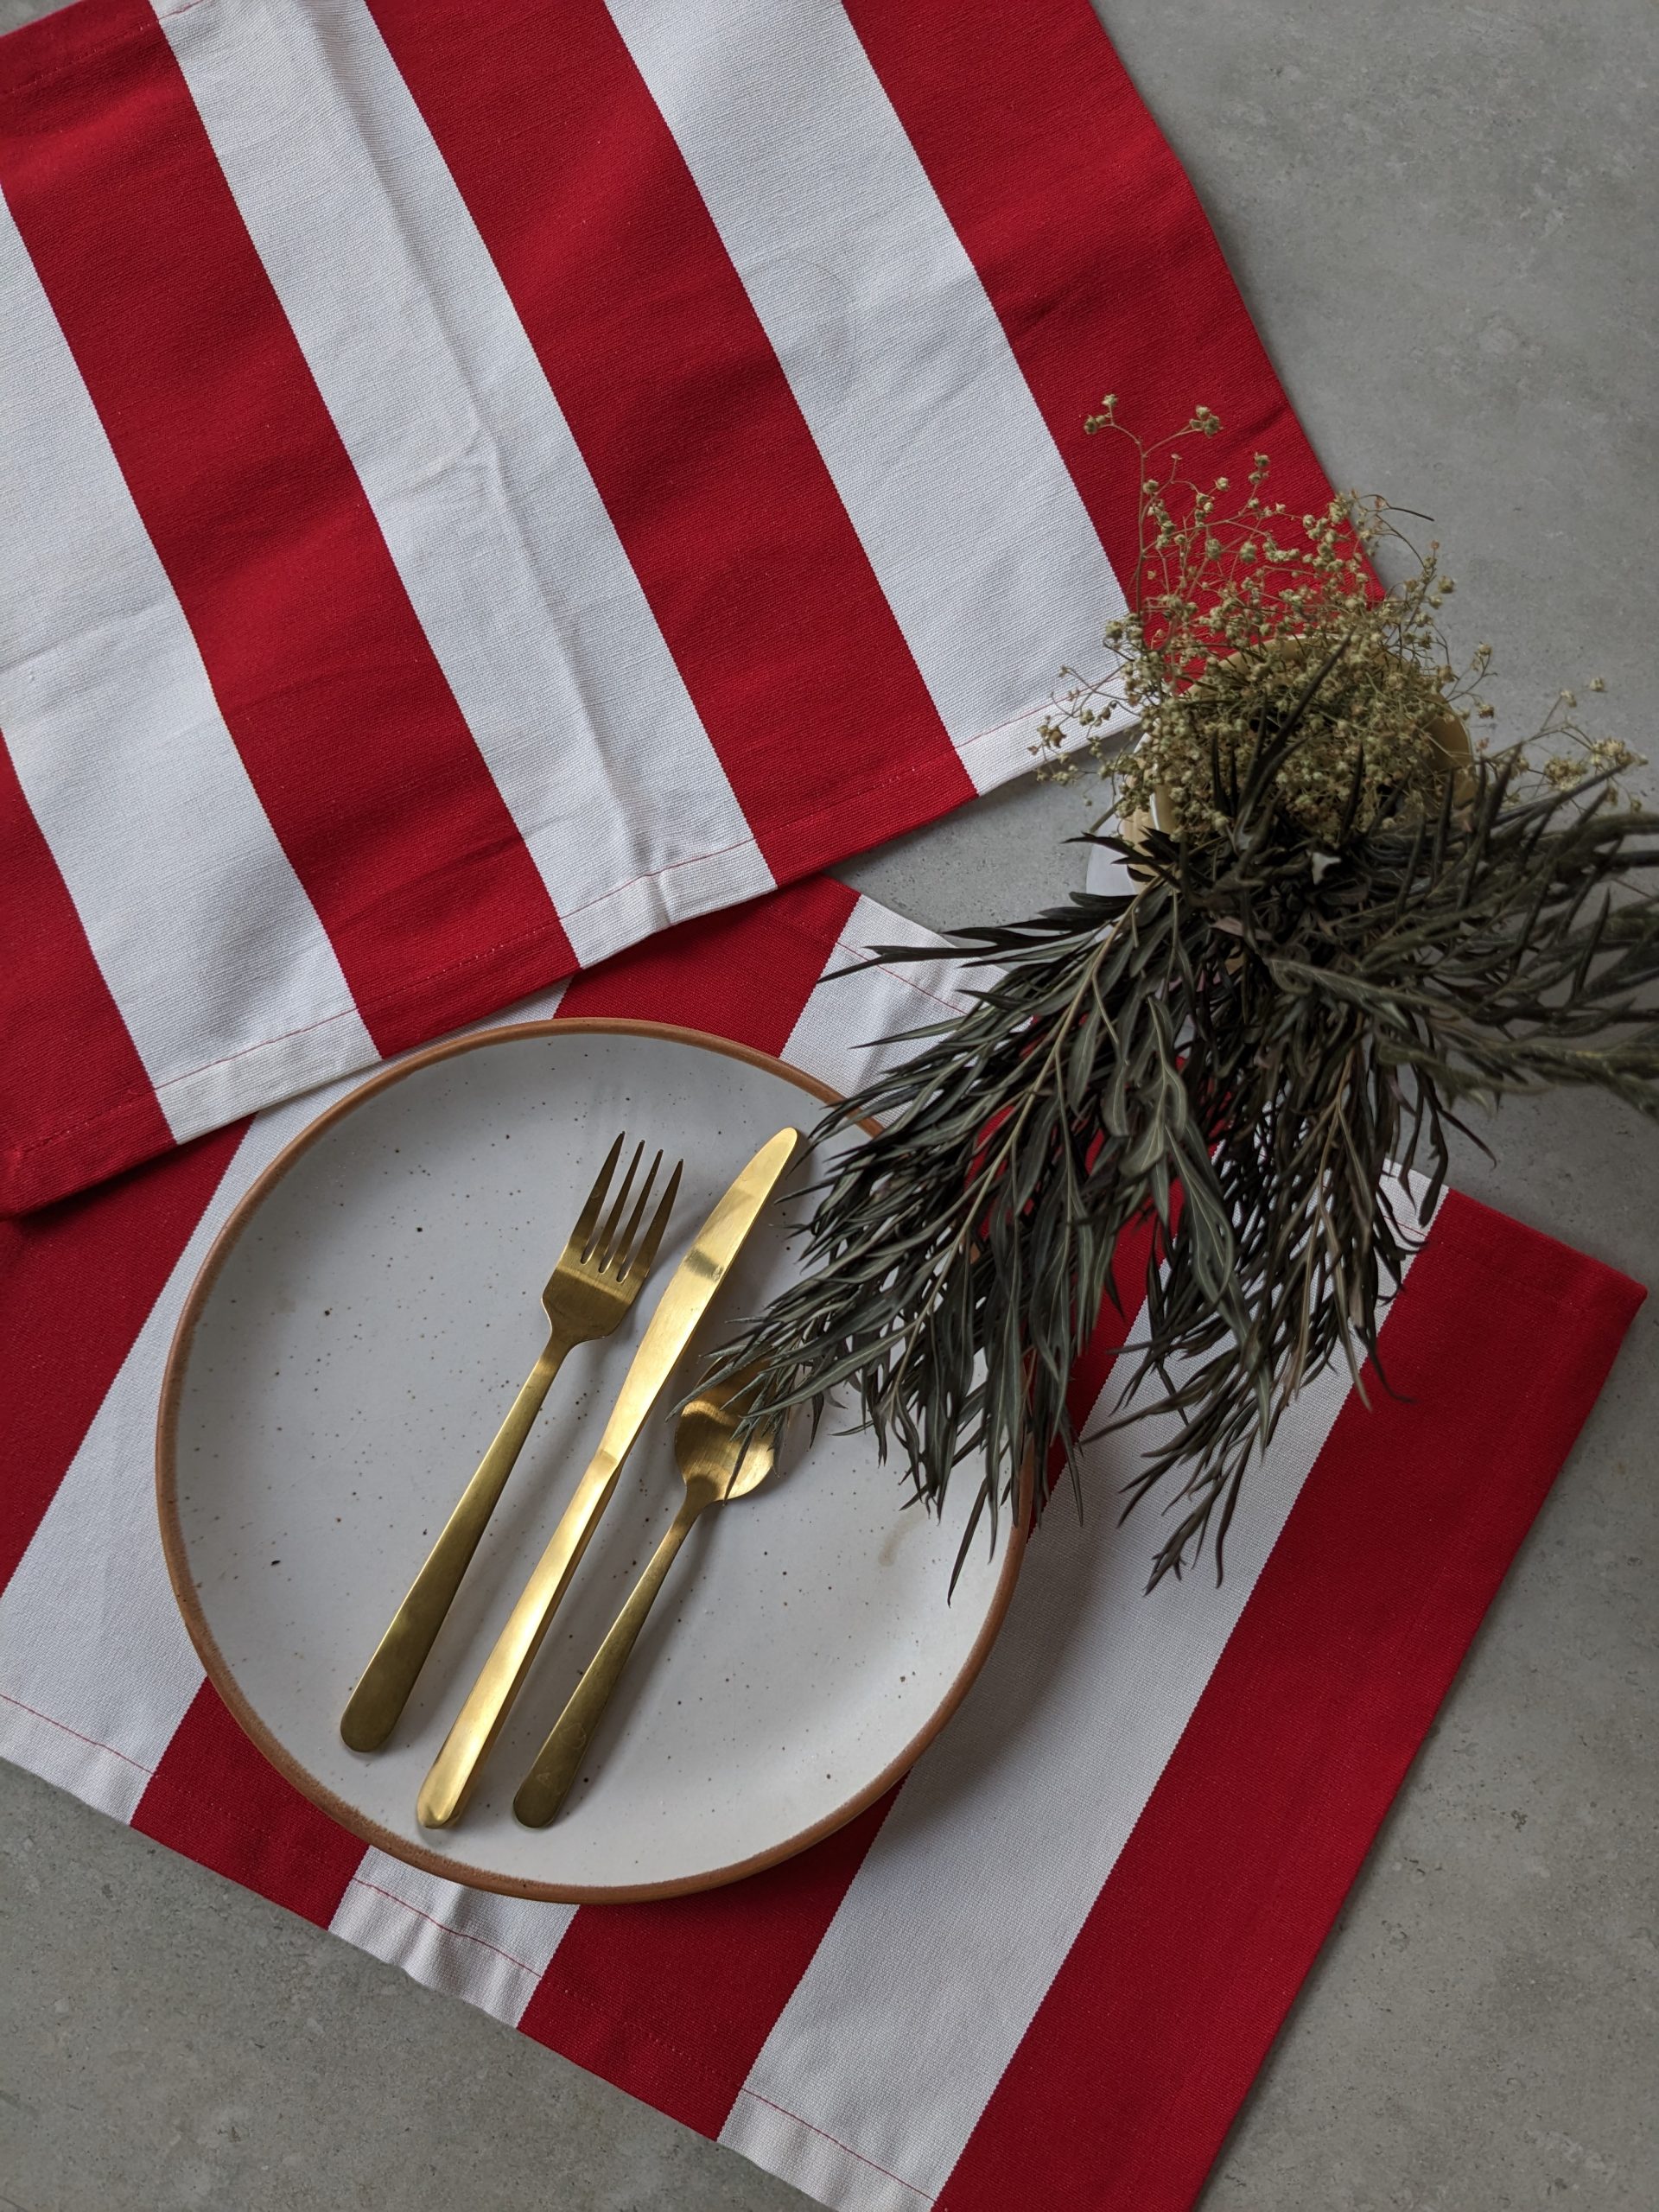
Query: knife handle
x=383 y=1690
x=693 y=1284
x=456 y=1768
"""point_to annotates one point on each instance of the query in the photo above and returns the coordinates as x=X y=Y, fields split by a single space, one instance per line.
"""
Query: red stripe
x=1097 y=257
x=67 y=1044
x=354 y=743
x=105 y=1254
x=745 y=974
x=214 y=1798
x=1129 y=2075
x=77 y=1283
x=685 y=419
x=673 y=2002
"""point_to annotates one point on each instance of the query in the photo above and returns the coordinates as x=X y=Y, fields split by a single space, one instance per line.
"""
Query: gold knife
x=682 y=1306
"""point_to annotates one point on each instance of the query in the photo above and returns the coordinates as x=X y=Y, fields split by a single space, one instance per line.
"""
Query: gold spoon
x=716 y=1466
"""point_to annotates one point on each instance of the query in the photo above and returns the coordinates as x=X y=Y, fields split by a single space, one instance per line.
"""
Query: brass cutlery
x=591 y=1289
x=716 y=1466
x=454 y=1772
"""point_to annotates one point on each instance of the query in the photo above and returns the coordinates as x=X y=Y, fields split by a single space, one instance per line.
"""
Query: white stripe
x=815 y=2163
x=490 y=1951
x=491 y=516
x=200 y=926
x=844 y=1033
x=96 y=1670
x=903 y=2022
x=876 y=2071
x=106 y=1779
x=895 y=355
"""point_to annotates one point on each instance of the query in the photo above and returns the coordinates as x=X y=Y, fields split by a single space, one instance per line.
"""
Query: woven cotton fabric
x=1040 y=1975
x=481 y=484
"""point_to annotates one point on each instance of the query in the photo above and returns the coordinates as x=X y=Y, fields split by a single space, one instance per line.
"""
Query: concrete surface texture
x=1444 y=221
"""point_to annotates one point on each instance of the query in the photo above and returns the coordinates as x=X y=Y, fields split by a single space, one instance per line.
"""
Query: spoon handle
x=545 y=1788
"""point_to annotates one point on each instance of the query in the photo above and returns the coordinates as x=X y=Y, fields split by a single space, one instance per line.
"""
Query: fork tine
x=583 y=1233
x=617 y=1257
x=640 y=1263
x=605 y=1242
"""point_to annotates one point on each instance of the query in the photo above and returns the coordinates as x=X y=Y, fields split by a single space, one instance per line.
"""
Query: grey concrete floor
x=1444 y=220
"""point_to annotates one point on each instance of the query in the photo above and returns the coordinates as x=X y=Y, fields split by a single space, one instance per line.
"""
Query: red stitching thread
x=390 y=998
x=63 y=1725
x=420 y=982
x=247 y=1051
x=979 y=735
x=392 y=1897
x=861 y=953
x=652 y=874
x=108 y=1113
x=840 y=2145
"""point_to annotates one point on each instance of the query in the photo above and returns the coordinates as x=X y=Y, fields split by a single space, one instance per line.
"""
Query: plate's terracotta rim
x=218 y=1667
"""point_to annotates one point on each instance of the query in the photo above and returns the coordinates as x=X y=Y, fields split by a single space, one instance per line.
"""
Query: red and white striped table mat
x=481 y=484
x=1039 y=1976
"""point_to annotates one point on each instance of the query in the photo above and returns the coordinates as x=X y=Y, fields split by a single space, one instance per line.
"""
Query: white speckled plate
x=348 y=1350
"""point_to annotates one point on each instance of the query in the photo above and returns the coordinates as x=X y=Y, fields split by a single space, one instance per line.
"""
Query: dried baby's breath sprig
x=1195 y=1098
x=1233 y=602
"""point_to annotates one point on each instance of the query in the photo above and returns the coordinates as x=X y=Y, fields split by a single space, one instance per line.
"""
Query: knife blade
x=690 y=1290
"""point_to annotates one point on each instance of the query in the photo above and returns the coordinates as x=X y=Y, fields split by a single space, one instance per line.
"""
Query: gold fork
x=716 y=1466
x=595 y=1282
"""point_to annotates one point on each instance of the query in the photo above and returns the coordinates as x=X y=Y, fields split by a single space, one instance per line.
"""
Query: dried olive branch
x=1239 y=1052
x=1224 y=1097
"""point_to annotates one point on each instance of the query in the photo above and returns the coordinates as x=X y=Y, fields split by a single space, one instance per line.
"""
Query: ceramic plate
x=351 y=1346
